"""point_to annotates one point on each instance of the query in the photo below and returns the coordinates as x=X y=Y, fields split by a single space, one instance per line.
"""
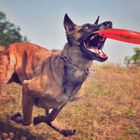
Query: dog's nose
x=108 y=24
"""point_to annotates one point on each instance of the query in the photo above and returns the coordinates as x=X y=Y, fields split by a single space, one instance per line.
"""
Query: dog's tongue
x=98 y=52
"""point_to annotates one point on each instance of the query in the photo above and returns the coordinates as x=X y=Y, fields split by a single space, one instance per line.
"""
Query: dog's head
x=86 y=38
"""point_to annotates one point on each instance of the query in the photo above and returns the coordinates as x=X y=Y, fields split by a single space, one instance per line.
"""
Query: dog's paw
x=17 y=117
x=68 y=132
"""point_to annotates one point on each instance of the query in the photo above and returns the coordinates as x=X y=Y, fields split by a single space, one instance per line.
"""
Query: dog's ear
x=97 y=20
x=68 y=24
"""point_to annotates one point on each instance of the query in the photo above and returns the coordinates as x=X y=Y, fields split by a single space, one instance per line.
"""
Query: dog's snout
x=108 y=24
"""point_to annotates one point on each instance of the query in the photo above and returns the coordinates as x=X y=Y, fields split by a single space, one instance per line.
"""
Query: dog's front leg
x=48 y=118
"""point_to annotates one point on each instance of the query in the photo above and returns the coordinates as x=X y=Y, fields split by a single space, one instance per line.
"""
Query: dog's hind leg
x=27 y=107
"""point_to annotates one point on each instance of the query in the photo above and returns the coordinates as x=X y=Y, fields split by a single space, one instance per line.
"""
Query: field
x=108 y=109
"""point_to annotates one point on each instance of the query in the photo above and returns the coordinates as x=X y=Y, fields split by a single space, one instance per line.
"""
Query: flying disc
x=121 y=35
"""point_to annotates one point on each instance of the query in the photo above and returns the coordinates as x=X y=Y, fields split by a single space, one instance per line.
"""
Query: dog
x=50 y=79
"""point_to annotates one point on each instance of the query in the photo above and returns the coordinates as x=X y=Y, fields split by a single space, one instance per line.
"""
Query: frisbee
x=128 y=36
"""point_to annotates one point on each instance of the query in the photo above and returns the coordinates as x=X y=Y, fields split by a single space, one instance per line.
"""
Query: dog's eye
x=86 y=28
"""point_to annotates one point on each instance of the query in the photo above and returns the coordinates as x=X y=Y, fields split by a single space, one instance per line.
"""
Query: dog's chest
x=53 y=98
x=75 y=76
x=49 y=101
x=73 y=81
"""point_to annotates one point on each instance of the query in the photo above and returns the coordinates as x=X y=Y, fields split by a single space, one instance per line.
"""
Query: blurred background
x=41 y=22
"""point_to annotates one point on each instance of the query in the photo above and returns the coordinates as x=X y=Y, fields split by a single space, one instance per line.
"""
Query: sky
x=42 y=20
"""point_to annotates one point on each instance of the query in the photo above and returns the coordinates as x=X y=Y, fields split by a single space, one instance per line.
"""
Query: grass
x=109 y=108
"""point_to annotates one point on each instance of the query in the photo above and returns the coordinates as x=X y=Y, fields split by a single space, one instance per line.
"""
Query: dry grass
x=108 y=110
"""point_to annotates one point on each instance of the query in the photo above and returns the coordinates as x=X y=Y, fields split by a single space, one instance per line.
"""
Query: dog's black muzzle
x=92 y=43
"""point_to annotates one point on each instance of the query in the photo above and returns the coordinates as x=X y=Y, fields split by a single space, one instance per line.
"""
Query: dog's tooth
x=101 y=52
x=103 y=39
x=92 y=37
x=85 y=45
x=95 y=50
x=96 y=32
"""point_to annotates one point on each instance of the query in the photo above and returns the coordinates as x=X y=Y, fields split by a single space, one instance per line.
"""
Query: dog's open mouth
x=94 y=44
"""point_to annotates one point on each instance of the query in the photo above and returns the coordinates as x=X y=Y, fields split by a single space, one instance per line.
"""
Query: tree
x=134 y=59
x=9 y=33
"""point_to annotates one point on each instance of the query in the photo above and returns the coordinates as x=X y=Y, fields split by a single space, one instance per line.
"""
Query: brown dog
x=50 y=79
